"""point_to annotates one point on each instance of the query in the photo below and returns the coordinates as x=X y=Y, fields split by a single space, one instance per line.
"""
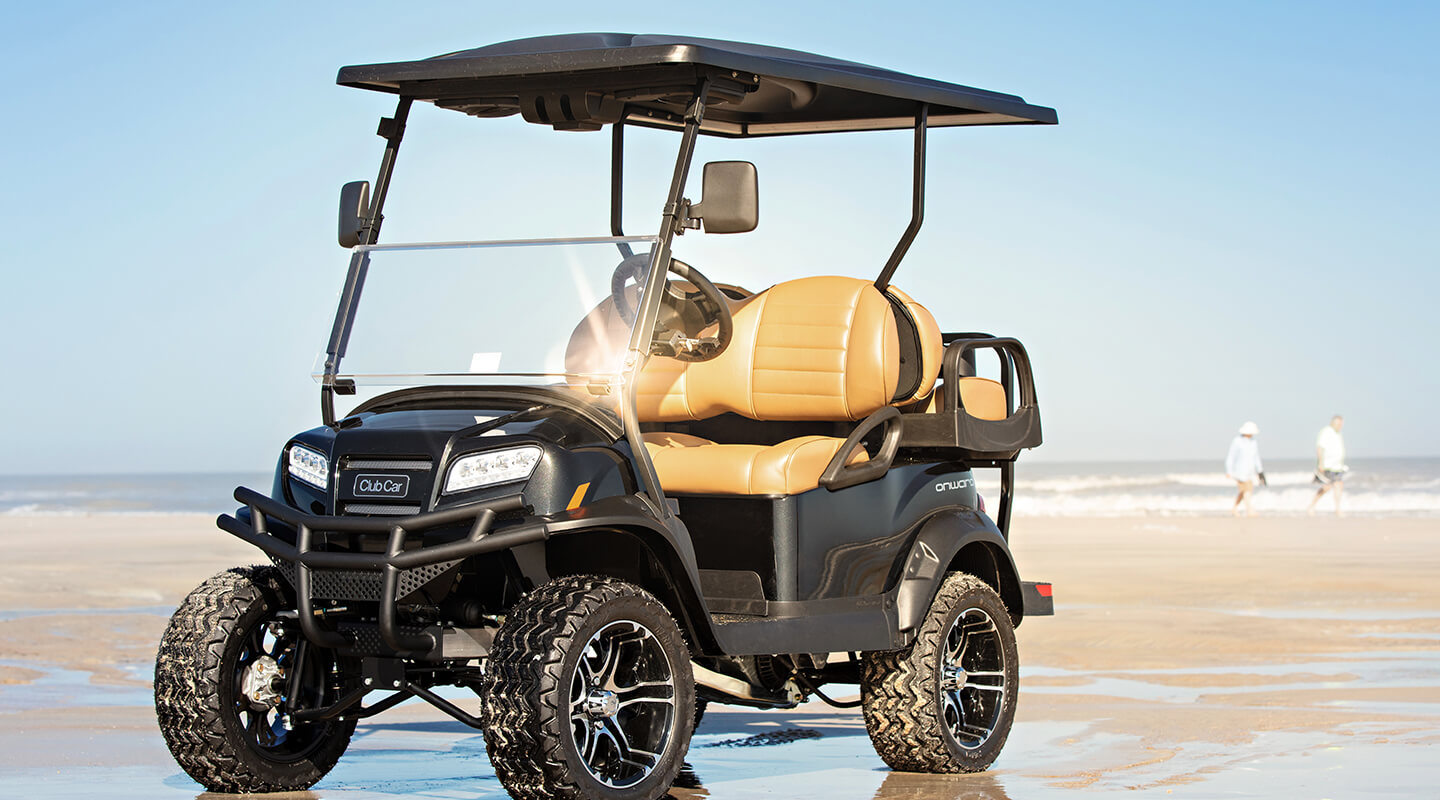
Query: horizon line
x=1033 y=460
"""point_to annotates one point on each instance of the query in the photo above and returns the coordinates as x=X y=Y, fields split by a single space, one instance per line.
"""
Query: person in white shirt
x=1330 y=466
x=1243 y=466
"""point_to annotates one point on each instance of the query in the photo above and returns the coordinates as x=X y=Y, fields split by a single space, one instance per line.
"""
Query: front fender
x=617 y=536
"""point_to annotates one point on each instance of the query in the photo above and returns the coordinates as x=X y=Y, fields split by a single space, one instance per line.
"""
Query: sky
x=1235 y=219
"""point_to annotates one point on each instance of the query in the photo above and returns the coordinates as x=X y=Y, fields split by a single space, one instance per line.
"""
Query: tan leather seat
x=812 y=349
x=982 y=398
x=821 y=348
x=692 y=465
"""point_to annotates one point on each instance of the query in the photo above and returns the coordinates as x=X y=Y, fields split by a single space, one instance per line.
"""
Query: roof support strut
x=917 y=201
x=617 y=183
x=644 y=332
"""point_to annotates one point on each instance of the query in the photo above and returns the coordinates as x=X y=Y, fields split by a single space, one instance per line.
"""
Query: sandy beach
x=1190 y=656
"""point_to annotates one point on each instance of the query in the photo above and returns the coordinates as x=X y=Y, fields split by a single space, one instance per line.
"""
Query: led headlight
x=309 y=466
x=489 y=469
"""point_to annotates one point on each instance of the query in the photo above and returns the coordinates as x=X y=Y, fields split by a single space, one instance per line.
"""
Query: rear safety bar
x=395 y=560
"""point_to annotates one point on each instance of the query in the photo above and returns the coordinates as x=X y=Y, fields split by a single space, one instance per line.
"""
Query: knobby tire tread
x=898 y=693
x=522 y=728
x=187 y=686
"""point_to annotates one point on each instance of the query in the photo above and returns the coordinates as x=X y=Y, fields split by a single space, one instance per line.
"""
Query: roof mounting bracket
x=390 y=129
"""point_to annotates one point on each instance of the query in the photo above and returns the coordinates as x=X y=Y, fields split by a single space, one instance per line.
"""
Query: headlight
x=309 y=466
x=489 y=469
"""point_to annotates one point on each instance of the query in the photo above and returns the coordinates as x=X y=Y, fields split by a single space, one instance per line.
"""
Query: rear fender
x=956 y=541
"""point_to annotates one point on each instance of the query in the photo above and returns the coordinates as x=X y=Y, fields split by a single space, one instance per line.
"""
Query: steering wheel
x=683 y=314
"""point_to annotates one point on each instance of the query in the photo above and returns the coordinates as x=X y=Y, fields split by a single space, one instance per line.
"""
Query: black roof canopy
x=582 y=81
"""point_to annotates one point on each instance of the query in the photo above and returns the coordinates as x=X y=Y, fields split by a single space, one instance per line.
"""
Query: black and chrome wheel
x=972 y=678
x=588 y=693
x=228 y=673
x=946 y=702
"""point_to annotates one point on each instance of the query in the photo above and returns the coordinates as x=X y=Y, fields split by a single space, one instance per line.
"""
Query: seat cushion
x=692 y=465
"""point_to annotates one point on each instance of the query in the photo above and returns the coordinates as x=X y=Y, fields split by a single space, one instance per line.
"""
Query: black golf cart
x=646 y=493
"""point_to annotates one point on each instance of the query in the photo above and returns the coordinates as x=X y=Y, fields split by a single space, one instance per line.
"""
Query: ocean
x=1382 y=487
x=205 y=492
x=1393 y=487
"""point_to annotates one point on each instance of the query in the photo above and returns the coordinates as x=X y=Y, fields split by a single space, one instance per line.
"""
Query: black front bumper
x=396 y=567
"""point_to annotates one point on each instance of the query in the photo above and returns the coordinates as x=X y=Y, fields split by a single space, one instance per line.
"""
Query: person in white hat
x=1243 y=466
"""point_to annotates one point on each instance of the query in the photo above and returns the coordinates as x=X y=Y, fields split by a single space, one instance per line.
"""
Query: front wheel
x=226 y=666
x=946 y=702
x=588 y=693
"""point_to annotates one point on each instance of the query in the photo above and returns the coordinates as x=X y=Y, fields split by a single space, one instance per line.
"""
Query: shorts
x=1329 y=476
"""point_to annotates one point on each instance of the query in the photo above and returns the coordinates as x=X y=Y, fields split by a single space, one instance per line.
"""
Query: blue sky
x=1234 y=220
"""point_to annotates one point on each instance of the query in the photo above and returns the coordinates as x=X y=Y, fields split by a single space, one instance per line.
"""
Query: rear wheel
x=226 y=664
x=946 y=702
x=588 y=693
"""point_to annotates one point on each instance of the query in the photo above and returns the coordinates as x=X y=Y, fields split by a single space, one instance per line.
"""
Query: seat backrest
x=822 y=348
x=922 y=348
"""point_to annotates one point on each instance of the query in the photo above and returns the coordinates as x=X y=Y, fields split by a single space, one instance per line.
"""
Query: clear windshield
x=513 y=312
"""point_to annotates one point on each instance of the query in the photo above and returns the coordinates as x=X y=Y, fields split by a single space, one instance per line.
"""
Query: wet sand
x=1194 y=657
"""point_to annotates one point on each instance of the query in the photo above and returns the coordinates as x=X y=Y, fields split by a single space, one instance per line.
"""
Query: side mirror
x=354 y=206
x=731 y=201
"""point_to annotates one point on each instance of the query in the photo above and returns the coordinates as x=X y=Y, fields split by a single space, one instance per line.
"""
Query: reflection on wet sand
x=688 y=785
x=909 y=786
x=895 y=786
x=271 y=796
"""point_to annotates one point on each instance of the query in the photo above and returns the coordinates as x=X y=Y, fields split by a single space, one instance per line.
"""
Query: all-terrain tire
x=535 y=680
x=917 y=719
x=202 y=656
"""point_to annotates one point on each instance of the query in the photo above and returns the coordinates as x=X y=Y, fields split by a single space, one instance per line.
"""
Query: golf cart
x=600 y=490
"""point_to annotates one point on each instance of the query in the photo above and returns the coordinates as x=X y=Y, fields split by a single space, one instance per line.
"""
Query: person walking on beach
x=1243 y=466
x=1330 y=466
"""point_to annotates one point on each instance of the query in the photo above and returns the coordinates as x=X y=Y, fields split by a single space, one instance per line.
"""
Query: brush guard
x=399 y=571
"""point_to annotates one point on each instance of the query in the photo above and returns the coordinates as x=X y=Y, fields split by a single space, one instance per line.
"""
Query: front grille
x=411 y=472
x=407 y=464
x=381 y=510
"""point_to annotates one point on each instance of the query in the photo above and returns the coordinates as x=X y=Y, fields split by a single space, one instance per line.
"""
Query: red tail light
x=981 y=501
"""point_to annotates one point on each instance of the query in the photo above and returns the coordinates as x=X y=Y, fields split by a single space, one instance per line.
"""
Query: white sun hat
x=1249 y=429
